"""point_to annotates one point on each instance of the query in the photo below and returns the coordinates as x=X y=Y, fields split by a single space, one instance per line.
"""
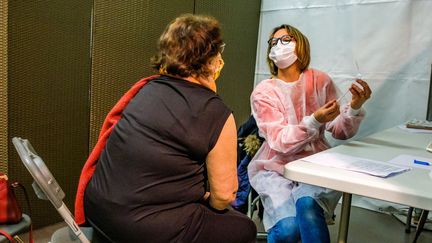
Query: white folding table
x=412 y=188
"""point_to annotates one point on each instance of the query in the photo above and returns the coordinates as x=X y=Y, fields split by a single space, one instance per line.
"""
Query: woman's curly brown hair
x=187 y=45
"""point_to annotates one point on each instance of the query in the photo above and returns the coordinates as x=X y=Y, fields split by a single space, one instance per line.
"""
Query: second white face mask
x=283 y=55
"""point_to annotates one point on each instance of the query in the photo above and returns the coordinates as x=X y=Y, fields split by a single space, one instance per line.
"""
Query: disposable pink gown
x=283 y=112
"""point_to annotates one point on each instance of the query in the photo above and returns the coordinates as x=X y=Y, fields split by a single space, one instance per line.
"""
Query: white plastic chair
x=47 y=188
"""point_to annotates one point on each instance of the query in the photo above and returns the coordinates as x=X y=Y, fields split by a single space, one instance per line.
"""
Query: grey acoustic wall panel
x=240 y=22
x=3 y=88
x=48 y=81
x=124 y=39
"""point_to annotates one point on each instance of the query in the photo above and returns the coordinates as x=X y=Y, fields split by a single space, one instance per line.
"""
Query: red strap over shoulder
x=89 y=167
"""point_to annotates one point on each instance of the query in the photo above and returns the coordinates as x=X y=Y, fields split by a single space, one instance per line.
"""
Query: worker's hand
x=359 y=95
x=328 y=112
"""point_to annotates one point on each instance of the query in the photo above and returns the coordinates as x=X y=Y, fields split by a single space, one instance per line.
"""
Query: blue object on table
x=421 y=162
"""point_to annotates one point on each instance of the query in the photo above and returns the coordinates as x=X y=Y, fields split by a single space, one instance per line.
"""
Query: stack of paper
x=342 y=161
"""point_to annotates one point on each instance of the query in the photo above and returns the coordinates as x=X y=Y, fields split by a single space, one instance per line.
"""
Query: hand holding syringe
x=359 y=93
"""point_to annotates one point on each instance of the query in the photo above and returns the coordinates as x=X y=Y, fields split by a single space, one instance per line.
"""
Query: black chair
x=248 y=144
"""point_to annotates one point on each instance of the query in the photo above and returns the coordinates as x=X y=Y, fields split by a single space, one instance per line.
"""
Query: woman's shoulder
x=265 y=85
x=319 y=77
x=184 y=88
x=317 y=74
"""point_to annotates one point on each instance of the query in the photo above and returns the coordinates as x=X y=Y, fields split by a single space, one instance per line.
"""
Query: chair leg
x=408 y=220
x=421 y=224
x=250 y=206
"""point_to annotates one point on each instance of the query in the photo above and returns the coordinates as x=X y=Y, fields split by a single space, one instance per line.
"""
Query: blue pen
x=421 y=162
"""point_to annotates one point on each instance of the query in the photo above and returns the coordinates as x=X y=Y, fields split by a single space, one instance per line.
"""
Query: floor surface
x=365 y=226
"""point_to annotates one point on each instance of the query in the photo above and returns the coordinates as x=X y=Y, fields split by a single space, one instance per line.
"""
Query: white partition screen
x=391 y=40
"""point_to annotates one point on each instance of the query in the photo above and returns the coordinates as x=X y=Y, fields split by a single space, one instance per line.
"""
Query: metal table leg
x=408 y=220
x=421 y=223
x=344 y=219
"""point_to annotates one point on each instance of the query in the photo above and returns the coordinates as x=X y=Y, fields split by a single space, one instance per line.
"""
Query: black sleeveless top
x=152 y=171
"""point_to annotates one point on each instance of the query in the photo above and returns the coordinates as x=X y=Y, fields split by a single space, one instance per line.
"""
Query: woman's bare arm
x=222 y=167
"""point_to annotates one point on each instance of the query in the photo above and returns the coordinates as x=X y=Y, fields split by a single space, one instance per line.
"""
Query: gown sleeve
x=280 y=135
x=348 y=122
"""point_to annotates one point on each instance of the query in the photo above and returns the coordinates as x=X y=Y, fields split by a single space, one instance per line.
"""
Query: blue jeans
x=309 y=225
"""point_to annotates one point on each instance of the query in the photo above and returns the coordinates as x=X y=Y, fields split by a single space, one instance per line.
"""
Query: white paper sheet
x=408 y=161
x=342 y=161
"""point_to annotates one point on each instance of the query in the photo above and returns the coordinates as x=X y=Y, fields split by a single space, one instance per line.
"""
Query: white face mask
x=283 y=55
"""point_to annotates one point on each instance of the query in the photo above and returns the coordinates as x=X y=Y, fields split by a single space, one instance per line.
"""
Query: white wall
x=390 y=40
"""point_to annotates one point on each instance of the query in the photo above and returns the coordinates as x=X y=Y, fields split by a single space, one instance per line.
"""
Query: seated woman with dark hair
x=174 y=135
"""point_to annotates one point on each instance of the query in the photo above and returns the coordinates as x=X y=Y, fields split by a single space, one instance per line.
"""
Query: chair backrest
x=248 y=144
x=45 y=185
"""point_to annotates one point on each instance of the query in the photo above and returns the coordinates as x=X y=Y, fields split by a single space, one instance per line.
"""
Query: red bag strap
x=10 y=238
x=16 y=185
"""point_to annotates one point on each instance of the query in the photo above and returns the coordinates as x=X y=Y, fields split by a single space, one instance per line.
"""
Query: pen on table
x=421 y=162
